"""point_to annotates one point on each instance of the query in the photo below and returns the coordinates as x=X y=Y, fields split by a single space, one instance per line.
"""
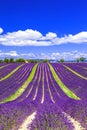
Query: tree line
x=12 y=60
x=81 y=59
x=22 y=60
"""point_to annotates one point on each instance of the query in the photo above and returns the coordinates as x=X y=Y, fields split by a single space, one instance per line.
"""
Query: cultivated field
x=43 y=96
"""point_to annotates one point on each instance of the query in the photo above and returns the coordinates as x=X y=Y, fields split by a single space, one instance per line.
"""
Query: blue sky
x=52 y=29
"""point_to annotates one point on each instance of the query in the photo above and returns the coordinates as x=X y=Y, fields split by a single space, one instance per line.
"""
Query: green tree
x=1 y=61
x=11 y=60
x=6 y=60
x=33 y=61
x=20 y=60
x=45 y=60
x=78 y=59
x=62 y=60
x=82 y=59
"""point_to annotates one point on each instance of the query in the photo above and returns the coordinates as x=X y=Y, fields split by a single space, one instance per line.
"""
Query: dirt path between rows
x=27 y=121
x=76 y=124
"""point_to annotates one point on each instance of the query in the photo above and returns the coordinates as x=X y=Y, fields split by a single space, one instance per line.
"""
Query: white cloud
x=15 y=54
x=68 y=55
x=31 y=37
x=28 y=55
x=51 y=35
x=1 y=30
x=73 y=55
x=8 y=54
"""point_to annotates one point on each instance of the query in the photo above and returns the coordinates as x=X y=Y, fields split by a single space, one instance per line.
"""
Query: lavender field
x=43 y=96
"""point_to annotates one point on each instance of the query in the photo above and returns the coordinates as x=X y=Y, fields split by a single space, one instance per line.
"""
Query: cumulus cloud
x=15 y=54
x=31 y=37
x=51 y=35
x=8 y=54
x=1 y=30
x=28 y=55
x=72 y=55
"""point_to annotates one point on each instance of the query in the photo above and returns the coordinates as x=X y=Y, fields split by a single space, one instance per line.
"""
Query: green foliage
x=11 y=60
x=20 y=60
x=6 y=60
x=78 y=59
x=81 y=59
x=62 y=60
x=45 y=61
x=33 y=61
x=1 y=61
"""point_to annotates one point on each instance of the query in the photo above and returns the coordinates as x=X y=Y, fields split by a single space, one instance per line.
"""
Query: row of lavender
x=49 y=101
x=48 y=98
x=44 y=96
x=2 y=64
x=10 y=112
x=72 y=81
x=43 y=88
x=77 y=109
x=11 y=84
x=7 y=68
x=80 y=68
x=50 y=114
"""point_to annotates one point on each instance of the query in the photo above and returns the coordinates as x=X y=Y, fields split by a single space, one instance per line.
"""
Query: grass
x=67 y=91
x=74 y=72
x=11 y=73
x=22 y=88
